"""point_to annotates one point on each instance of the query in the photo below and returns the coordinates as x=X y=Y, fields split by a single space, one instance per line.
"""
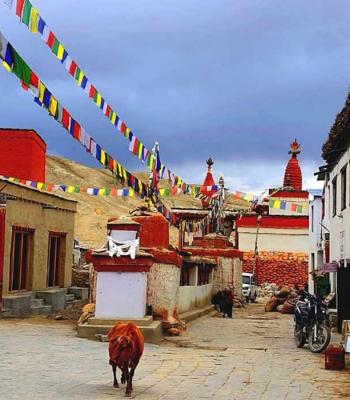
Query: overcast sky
x=235 y=80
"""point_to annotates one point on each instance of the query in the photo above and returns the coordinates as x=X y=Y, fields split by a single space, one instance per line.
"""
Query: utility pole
x=258 y=220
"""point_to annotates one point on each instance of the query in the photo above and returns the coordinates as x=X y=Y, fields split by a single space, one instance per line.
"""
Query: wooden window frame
x=185 y=277
x=343 y=187
x=334 y=196
x=17 y=230
x=58 y=259
x=204 y=273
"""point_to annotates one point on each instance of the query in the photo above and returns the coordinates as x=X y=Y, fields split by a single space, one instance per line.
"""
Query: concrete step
x=41 y=310
x=36 y=303
x=146 y=321
x=152 y=333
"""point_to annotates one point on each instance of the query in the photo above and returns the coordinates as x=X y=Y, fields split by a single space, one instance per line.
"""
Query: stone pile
x=80 y=275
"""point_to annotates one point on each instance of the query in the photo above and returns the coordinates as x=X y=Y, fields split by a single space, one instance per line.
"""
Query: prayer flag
x=60 y=52
x=26 y=12
x=33 y=24
x=41 y=25
x=19 y=7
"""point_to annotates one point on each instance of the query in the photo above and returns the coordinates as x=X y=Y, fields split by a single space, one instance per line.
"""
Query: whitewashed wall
x=121 y=294
x=191 y=297
x=272 y=239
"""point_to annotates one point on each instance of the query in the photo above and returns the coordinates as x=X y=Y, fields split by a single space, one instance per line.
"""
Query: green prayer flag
x=300 y=209
x=272 y=203
x=17 y=64
x=26 y=71
x=77 y=73
x=26 y=12
x=107 y=192
x=77 y=189
x=55 y=46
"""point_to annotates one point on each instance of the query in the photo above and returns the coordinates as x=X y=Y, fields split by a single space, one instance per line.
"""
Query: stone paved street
x=250 y=357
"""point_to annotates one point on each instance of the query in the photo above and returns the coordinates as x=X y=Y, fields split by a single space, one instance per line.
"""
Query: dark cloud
x=236 y=80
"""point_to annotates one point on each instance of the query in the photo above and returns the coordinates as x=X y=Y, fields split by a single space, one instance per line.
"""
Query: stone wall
x=163 y=288
x=228 y=273
x=281 y=268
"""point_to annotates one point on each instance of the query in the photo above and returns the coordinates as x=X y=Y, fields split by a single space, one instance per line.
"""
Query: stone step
x=69 y=298
x=41 y=310
x=196 y=313
x=80 y=293
x=152 y=333
x=146 y=321
x=36 y=303
x=6 y=312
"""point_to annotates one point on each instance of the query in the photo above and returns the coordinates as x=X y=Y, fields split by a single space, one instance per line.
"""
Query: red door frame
x=2 y=244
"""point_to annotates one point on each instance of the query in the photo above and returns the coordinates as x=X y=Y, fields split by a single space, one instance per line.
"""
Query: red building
x=22 y=154
x=278 y=229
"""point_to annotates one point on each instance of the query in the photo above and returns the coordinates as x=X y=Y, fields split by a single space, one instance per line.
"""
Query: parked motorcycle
x=312 y=323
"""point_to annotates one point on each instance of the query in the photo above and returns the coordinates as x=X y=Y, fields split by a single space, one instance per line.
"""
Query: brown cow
x=126 y=345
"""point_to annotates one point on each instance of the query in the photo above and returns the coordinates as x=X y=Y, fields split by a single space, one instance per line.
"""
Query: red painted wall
x=22 y=154
x=270 y=221
x=278 y=267
x=2 y=242
x=154 y=231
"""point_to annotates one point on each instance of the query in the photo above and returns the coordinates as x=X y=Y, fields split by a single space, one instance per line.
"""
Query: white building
x=336 y=175
x=316 y=235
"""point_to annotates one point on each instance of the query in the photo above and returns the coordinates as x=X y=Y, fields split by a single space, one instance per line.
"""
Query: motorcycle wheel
x=299 y=337
x=322 y=340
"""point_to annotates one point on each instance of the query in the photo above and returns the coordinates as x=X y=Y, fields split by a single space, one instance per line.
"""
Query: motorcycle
x=311 y=323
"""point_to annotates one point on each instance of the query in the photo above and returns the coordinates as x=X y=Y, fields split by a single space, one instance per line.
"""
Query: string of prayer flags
x=287 y=205
x=14 y=63
x=30 y=17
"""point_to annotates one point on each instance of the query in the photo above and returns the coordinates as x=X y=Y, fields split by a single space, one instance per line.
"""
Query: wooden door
x=2 y=243
x=343 y=297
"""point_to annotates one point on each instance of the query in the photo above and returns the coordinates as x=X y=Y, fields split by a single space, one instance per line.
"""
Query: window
x=20 y=258
x=185 y=277
x=343 y=188
x=54 y=259
x=204 y=275
x=312 y=218
x=334 y=196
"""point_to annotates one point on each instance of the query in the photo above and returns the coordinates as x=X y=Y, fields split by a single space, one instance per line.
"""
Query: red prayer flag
x=76 y=131
x=65 y=118
x=34 y=80
x=73 y=68
x=110 y=163
x=113 y=192
x=122 y=127
x=51 y=40
x=19 y=7
x=24 y=86
x=92 y=91
x=108 y=110
x=135 y=149
x=49 y=187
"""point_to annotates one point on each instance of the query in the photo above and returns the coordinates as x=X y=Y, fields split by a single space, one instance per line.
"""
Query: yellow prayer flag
x=98 y=99
x=277 y=204
x=140 y=186
x=102 y=192
x=131 y=192
x=11 y=179
x=53 y=106
x=60 y=52
x=6 y=66
x=70 y=189
x=162 y=192
x=41 y=92
x=39 y=185
x=114 y=117
x=80 y=77
x=103 y=157
x=33 y=22
x=127 y=132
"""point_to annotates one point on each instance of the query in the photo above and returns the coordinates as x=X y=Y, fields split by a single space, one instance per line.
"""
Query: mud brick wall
x=281 y=268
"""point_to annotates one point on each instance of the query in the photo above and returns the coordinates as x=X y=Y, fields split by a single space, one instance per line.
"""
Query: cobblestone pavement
x=251 y=357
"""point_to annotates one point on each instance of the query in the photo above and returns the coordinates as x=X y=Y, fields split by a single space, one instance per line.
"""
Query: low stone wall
x=163 y=288
x=281 y=268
